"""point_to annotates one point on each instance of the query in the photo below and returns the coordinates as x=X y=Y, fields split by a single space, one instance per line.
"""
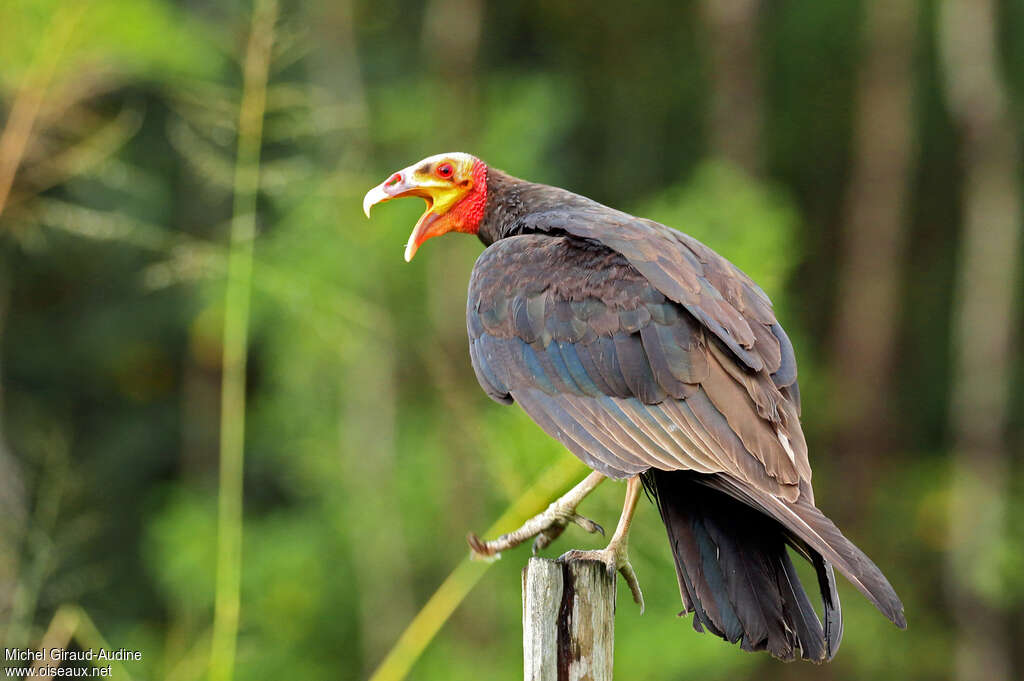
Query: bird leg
x=616 y=555
x=546 y=526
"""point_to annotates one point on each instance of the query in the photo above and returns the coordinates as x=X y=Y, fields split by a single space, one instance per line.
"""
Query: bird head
x=453 y=185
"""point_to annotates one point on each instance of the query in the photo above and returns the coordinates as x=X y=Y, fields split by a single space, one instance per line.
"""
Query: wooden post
x=568 y=621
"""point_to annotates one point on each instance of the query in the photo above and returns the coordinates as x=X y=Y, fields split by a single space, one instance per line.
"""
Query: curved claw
x=555 y=530
x=629 y=574
x=587 y=524
x=480 y=550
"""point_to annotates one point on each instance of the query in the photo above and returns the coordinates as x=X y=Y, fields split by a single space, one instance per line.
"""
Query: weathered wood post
x=568 y=621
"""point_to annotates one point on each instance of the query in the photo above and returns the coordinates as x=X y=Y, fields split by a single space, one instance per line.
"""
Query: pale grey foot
x=546 y=526
x=616 y=555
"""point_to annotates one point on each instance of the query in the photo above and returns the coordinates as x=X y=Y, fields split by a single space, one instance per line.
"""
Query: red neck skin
x=466 y=215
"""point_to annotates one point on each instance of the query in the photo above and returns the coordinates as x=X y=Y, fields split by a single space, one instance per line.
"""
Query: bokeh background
x=241 y=436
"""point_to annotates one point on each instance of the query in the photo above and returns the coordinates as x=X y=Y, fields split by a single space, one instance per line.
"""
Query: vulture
x=656 y=361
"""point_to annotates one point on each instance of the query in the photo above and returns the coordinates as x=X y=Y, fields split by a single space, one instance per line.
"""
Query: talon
x=629 y=574
x=481 y=550
x=588 y=524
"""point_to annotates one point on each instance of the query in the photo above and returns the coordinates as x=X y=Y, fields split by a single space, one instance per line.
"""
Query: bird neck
x=504 y=206
x=511 y=202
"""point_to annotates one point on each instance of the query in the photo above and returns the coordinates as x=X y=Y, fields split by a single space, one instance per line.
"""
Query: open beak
x=398 y=186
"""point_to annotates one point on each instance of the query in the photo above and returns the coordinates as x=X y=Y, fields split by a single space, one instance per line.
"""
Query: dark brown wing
x=626 y=377
x=724 y=299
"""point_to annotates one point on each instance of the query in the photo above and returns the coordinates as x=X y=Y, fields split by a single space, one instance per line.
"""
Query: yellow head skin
x=454 y=186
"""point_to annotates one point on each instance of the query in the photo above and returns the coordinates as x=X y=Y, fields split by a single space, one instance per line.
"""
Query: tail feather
x=799 y=604
x=735 y=573
x=704 y=584
x=749 y=578
x=806 y=525
x=830 y=597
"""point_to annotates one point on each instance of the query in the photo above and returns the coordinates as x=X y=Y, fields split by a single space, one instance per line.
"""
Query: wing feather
x=625 y=375
x=717 y=293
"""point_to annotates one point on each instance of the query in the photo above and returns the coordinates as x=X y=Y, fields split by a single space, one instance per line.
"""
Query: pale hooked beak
x=396 y=187
x=391 y=188
x=373 y=197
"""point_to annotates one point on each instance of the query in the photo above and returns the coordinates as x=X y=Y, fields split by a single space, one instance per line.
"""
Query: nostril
x=395 y=179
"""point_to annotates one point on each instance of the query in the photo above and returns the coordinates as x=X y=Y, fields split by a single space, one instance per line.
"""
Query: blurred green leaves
x=180 y=550
x=139 y=38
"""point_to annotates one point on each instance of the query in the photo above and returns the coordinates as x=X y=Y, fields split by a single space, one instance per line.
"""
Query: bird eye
x=445 y=170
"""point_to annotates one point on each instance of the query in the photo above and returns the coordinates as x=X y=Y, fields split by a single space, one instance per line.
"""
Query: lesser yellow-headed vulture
x=654 y=360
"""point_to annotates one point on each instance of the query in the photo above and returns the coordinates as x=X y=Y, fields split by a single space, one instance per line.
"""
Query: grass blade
x=236 y=332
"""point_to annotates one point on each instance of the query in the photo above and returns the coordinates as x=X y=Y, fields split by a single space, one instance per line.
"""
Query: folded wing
x=627 y=378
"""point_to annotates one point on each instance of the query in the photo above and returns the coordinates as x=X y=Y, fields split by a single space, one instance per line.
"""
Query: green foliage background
x=370 y=451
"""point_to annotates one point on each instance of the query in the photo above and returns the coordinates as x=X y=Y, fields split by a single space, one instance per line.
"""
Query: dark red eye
x=445 y=170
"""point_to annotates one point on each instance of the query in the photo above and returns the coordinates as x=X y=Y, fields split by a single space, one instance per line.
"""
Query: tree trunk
x=871 y=250
x=983 y=326
x=736 y=90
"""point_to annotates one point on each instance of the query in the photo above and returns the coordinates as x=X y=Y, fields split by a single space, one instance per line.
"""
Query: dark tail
x=737 y=578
